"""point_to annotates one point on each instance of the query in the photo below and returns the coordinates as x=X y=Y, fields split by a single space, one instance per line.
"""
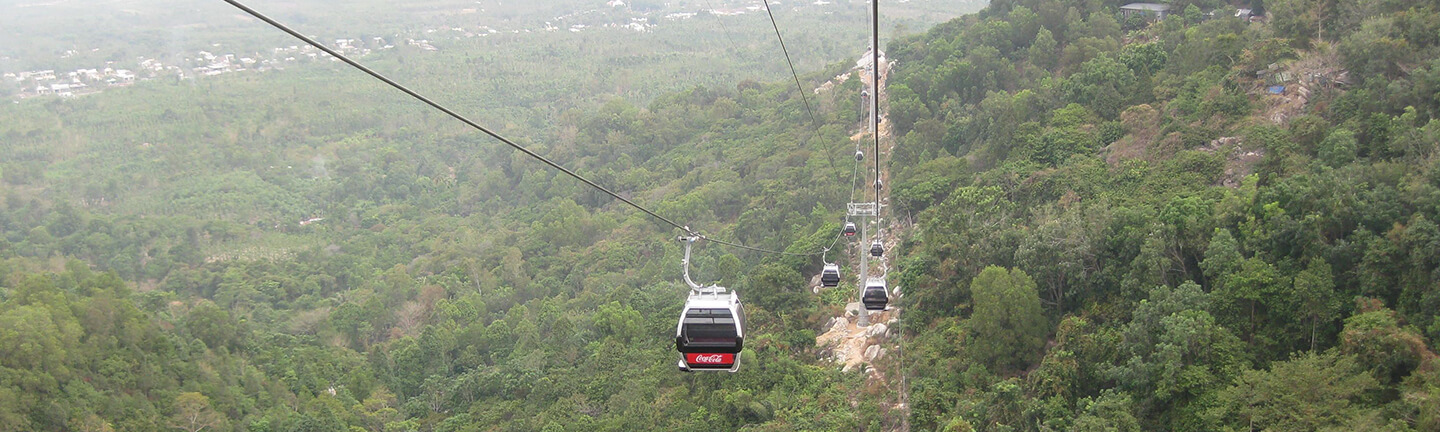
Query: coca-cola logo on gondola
x=716 y=359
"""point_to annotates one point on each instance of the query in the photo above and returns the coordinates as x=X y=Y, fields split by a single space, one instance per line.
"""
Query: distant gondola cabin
x=830 y=276
x=875 y=297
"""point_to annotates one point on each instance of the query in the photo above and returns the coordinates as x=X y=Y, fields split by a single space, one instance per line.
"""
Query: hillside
x=1108 y=223
x=300 y=249
x=1189 y=224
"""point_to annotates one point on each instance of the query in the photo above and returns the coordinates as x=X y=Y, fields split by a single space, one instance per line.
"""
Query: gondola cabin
x=711 y=331
x=877 y=248
x=875 y=297
x=859 y=155
x=849 y=229
x=830 y=276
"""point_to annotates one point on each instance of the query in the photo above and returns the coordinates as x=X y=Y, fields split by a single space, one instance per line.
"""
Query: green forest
x=1122 y=228
x=1113 y=223
x=451 y=285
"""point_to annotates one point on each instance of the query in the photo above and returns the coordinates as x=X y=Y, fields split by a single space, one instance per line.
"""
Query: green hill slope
x=340 y=266
x=1194 y=224
x=1229 y=225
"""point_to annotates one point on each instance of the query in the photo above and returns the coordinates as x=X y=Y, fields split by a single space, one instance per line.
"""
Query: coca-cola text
x=713 y=359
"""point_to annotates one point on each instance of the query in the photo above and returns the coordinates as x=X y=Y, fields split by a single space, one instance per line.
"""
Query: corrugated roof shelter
x=1156 y=10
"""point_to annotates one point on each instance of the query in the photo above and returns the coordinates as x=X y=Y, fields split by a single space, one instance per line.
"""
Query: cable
x=814 y=123
x=497 y=136
x=798 y=86
x=875 y=112
x=723 y=28
x=756 y=249
x=854 y=174
x=904 y=386
x=457 y=116
x=875 y=98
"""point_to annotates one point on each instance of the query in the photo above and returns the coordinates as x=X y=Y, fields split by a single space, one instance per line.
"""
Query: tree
x=958 y=424
x=377 y=410
x=213 y=325
x=1174 y=352
x=1192 y=14
x=615 y=319
x=1377 y=50
x=776 y=288
x=1110 y=412
x=1338 y=148
x=1144 y=58
x=1307 y=393
x=1102 y=84
x=1314 y=289
x=38 y=340
x=1058 y=253
x=1418 y=300
x=194 y=414
x=1042 y=51
x=1246 y=297
x=91 y=423
x=906 y=108
x=1301 y=20
x=1262 y=52
x=1008 y=324
x=1375 y=336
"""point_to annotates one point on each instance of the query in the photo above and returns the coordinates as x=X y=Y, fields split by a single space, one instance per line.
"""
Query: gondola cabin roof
x=712 y=297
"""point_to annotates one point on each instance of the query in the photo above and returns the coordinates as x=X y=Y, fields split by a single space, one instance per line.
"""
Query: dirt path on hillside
x=875 y=349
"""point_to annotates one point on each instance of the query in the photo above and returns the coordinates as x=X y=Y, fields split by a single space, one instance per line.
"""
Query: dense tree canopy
x=1009 y=328
x=379 y=268
x=1203 y=249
